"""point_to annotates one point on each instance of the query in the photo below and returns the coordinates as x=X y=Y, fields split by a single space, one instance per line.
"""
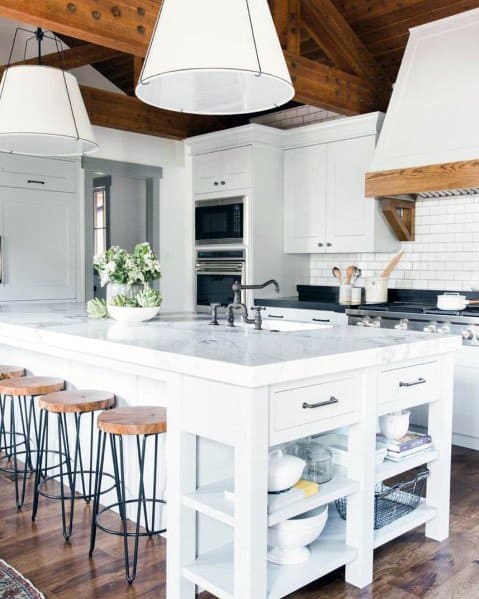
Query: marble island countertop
x=185 y=343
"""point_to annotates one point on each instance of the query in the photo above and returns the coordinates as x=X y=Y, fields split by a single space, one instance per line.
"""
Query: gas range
x=418 y=313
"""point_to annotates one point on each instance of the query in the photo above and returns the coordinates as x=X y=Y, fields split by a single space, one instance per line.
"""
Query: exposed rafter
x=118 y=111
x=330 y=30
x=128 y=25
x=74 y=57
x=338 y=91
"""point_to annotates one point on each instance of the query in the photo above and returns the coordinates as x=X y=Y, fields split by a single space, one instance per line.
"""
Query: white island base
x=234 y=394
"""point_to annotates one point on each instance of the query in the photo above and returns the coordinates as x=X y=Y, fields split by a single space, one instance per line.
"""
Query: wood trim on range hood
x=419 y=179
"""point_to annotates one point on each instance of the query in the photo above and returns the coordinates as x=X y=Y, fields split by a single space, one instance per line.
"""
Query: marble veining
x=186 y=343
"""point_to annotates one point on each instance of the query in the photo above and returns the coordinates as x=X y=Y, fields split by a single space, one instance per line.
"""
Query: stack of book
x=409 y=446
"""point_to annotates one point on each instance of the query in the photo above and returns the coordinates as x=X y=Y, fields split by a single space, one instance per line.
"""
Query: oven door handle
x=219 y=272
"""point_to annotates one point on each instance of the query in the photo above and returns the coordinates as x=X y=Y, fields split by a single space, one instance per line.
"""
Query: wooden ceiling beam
x=124 y=25
x=127 y=26
x=333 y=34
x=118 y=111
x=73 y=58
x=329 y=88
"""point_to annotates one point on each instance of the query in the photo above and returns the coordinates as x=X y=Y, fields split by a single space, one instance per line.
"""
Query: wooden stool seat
x=10 y=372
x=31 y=385
x=76 y=401
x=136 y=420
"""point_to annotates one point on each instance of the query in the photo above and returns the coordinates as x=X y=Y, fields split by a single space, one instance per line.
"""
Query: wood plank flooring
x=411 y=567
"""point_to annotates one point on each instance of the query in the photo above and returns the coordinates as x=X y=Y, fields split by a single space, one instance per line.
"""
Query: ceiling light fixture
x=42 y=112
x=215 y=57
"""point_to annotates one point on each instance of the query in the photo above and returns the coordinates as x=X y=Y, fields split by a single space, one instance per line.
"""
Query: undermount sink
x=285 y=325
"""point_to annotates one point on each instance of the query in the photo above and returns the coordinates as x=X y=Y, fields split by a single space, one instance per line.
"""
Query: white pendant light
x=42 y=113
x=215 y=57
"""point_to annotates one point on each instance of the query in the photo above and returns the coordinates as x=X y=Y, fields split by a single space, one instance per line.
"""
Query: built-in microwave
x=216 y=272
x=219 y=221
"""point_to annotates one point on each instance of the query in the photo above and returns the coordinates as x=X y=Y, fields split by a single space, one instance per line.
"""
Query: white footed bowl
x=131 y=315
x=394 y=426
x=288 y=539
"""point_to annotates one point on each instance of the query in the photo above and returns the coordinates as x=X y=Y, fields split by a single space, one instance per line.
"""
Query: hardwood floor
x=408 y=568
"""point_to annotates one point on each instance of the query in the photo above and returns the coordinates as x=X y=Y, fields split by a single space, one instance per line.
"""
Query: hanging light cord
x=260 y=70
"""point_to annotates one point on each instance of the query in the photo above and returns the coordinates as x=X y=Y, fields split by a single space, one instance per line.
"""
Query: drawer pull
x=420 y=381
x=36 y=182
x=320 y=404
x=275 y=316
x=320 y=320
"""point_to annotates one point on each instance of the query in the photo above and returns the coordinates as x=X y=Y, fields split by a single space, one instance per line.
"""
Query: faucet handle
x=214 y=314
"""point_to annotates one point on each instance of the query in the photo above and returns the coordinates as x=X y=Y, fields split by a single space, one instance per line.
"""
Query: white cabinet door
x=466 y=393
x=222 y=170
x=350 y=215
x=38 y=245
x=236 y=168
x=305 y=199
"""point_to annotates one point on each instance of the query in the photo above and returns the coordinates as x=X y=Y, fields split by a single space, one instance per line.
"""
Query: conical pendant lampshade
x=42 y=113
x=215 y=57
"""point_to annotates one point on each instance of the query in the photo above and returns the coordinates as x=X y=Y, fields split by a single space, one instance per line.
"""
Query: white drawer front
x=303 y=405
x=38 y=173
x=319 y=316
x=411 y=383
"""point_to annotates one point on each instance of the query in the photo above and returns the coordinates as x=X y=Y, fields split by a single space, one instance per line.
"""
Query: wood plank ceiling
x=343 y=55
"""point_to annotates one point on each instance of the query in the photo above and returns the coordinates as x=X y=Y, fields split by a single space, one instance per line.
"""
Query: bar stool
x=146 y=424
x=70 y=465
x=20 y=392
x=7 y=372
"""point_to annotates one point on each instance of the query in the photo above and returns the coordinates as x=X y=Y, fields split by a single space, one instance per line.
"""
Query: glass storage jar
x=320 y=466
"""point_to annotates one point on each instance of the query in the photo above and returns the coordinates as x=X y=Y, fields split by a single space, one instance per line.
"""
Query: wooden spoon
x=349 y=274
x=337 y=274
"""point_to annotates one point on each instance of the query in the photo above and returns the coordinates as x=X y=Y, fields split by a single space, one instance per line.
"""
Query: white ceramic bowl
x=131 y=315
x=284 y=471
x=288 y=539
x=394 y=426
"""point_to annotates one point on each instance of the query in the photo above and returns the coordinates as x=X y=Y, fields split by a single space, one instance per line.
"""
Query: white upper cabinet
x=305 y=199
x=222 y=170
x=326 y=210
x=31 y=172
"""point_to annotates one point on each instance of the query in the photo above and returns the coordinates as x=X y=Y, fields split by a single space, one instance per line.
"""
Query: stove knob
x=430 y=328
x=468 y=334
x=444 y=329
x=403 y=325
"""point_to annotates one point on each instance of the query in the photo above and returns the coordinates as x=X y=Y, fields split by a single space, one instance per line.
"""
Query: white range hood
x=429 y=143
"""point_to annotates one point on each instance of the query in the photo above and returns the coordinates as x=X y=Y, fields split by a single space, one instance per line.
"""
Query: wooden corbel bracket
x=401 y=216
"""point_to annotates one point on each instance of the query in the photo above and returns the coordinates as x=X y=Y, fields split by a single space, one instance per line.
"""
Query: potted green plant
x=127 y=277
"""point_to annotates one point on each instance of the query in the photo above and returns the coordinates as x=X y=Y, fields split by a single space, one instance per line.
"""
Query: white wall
x=444 y=256
x=176 y=233
x=127 y=211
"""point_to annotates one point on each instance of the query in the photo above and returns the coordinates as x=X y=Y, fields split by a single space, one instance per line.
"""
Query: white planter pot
x=132 y=315
x=114 y=289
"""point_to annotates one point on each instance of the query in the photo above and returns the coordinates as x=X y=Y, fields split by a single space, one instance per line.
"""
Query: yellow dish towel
x=307 y=487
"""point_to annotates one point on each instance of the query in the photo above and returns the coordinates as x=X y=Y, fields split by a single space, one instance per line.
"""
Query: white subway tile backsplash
x=445 y=255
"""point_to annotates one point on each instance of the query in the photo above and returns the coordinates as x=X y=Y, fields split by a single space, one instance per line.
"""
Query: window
x=101 y=213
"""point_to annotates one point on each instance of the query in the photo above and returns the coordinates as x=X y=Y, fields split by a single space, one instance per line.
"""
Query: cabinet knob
x=320 y=245
x=328 y=245
x=215 y=183
x=223 y=183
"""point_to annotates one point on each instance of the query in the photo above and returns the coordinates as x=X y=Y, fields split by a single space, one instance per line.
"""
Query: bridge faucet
x=238 y=305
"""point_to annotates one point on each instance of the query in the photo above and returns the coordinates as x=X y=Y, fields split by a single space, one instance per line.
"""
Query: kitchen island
x=231 y=395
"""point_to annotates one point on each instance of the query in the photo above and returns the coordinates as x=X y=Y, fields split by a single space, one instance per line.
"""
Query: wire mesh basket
x=393 y=501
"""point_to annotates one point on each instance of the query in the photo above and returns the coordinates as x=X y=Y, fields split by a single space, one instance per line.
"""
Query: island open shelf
x=214 y=571
x=210 y=499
